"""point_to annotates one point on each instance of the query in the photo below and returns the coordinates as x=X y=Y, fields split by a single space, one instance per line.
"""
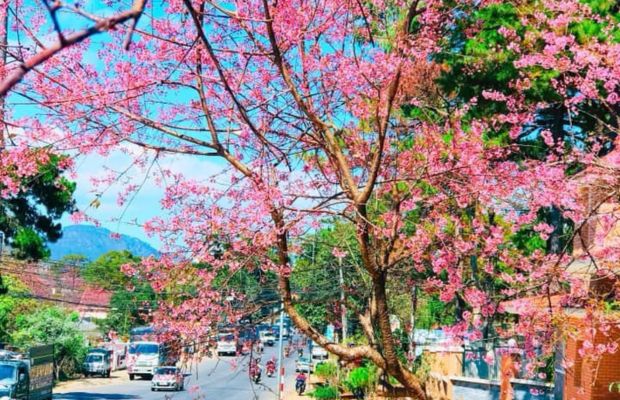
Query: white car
x=226 y=345
x=167 y=378
x=267 y=338
x=303 y=365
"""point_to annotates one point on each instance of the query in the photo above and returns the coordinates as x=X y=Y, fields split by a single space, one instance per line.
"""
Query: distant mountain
x=91 y=242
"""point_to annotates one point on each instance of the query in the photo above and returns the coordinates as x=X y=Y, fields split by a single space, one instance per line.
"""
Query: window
x=94 y=358
x=7 y=374
x=144 y=348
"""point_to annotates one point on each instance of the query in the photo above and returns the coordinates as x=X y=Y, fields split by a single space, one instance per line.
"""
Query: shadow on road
x=94 y=396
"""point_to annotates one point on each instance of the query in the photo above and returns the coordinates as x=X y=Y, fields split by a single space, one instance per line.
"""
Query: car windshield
x=144 y=348
x=226 y=338
x=7 y=373
x=94 y=358
x=166 y=371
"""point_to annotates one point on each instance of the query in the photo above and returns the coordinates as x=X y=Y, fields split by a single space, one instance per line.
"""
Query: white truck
x=318 y=355
x=226 y=344
x=145 y=357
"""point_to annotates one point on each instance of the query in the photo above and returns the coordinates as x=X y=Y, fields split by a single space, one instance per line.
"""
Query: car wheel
x=131 y=377
x=153 y=390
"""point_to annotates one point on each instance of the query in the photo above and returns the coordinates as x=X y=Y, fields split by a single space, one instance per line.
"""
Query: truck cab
x=14 y=382
x=98 y=362
x=28 y=377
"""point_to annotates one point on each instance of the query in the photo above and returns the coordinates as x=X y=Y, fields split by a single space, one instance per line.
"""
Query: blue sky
x=146 y=203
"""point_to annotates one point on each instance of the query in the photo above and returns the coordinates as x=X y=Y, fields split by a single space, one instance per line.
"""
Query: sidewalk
x=116 y=377
x=291 y=394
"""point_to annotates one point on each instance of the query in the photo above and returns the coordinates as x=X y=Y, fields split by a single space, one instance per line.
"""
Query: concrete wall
x=443 y=363
x=482 y=389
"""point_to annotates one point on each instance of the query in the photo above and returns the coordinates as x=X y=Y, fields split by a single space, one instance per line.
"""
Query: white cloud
x=146 y=203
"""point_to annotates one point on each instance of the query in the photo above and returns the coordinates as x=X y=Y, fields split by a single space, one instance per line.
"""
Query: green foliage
x=27 y=243
x=129 y=308
x=53 y=325
x=326 y=370
x=105 y=271
x=365 y=378
x=432 y=312
x=30 y=219
x=325 y=393
x=12 y=305
x=132 y=297
x=316 y=273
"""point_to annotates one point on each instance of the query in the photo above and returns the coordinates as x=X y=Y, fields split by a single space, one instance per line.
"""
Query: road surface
x=225 y=378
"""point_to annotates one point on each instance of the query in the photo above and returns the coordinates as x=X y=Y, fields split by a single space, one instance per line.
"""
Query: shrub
x=362 y=378
x=326 y=370
x=325 y=393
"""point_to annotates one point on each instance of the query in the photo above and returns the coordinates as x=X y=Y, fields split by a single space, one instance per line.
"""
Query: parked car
x=267 y=338
x=303 y=365
x=98 y=362
x=167 y=378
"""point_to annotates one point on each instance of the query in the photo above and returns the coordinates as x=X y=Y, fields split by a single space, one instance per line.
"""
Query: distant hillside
x=91 y=241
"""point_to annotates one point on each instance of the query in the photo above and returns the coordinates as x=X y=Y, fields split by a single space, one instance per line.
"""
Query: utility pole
x=280 y=389
x=414 y=305
x=4 y=48
x=343 y=307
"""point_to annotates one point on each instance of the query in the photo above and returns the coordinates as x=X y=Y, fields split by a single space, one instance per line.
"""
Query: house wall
x=484 y=389
x=588 y=379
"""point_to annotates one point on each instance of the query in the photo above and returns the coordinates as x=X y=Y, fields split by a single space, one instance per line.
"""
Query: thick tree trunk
x=386 y=360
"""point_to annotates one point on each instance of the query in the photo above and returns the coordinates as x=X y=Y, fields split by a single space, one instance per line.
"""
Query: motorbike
x=300 y=386
x=255 y=377
x=287 y=351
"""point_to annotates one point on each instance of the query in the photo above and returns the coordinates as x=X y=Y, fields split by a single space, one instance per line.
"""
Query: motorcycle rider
x=255 y=371
x=300 y=382
x=271 y=367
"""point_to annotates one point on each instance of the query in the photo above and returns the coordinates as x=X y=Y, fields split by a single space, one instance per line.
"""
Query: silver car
x=303 y=365
x=167 y=378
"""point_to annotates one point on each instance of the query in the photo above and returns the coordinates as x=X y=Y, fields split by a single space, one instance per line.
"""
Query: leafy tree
x=129 y=308
x=29 y=218
x=106 y=271
x=53 y=325
x=132 y=301
x=14 y=303
x=316 y=114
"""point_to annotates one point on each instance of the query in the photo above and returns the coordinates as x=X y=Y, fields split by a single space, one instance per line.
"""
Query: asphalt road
x=225 y=378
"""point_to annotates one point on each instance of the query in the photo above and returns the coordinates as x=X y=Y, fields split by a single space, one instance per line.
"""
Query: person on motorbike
x=300 y=383
x=300 y=352
x=255 y=371
x=271 y=367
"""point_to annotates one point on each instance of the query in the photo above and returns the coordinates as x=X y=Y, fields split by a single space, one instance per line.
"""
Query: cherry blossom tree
x=335 y=109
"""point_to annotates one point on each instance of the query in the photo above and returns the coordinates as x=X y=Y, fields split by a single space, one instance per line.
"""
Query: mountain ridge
x=92 y=241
